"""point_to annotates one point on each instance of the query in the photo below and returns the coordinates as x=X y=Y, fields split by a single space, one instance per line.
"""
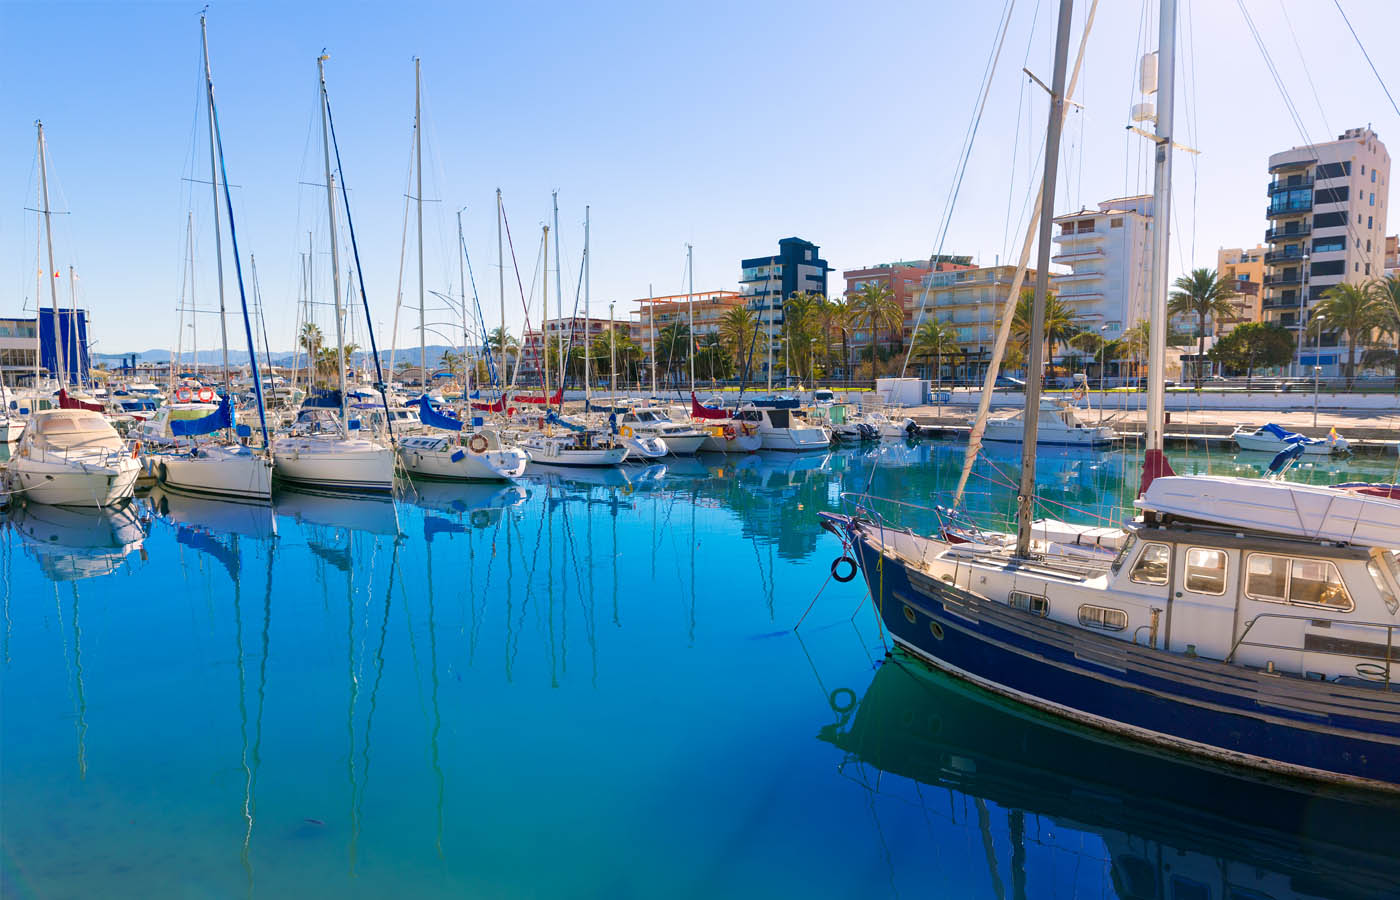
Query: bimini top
x=1311 y=512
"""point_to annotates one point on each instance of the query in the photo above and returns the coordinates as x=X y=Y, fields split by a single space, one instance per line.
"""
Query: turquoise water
x=586 y=685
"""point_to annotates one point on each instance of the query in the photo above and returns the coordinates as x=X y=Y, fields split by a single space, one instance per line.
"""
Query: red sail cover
x=540 y=399
x=67 y=402
x=704 y=412
x=498 y=406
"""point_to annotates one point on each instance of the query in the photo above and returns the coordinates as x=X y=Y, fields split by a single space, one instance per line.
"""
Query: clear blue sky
x=727 y=125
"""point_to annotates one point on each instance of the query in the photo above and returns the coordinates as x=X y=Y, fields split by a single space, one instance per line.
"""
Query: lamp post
x=1317 y=354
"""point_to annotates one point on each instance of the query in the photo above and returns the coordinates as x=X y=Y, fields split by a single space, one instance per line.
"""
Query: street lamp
x=1317 y=358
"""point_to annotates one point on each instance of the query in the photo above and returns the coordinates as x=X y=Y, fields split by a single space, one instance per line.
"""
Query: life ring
x=136 y=450
x=729 y=433
x=846 y=701
x=625 y=431
x=183 y=394
x=206 y=395
x=477 y=444
x=836 y=566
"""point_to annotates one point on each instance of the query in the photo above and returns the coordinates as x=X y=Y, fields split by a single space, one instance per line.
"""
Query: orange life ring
x=729 y=433
x=183 y=394
x=625 y=431
x=477 y=444
x=206 y=395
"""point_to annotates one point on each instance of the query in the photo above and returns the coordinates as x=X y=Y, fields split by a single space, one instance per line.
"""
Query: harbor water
x=588 y=684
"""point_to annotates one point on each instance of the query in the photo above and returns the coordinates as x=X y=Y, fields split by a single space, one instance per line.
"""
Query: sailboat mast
x=612 y=357
x=52 y=272
x=335 y=252
x=1025 y=498
x=587 y=310
x=501 y=271
x=214 y=183
x=559 y=295
x=690 y=311
x=651 y=317
x=462 y=283
x=1161 y=232
x=544 y=323
x=418 y=153
x=73 y=325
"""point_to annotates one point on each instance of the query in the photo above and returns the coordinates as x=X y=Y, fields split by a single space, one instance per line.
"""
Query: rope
x=1362 y=47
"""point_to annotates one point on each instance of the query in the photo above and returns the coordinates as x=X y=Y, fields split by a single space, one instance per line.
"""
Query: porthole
x=909 y=615
x=936 y=629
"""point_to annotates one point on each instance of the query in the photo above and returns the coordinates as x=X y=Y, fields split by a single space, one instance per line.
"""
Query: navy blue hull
x=1231 y=713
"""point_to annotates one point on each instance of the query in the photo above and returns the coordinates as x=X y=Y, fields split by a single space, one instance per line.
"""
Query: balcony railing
x=1283 y=279
x=1289 y=209
x=1274 y=235
x=1280 y=303
x=1284 y=256
x=1286 y=185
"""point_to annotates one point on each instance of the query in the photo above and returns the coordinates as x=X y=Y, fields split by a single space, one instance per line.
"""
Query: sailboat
x=1249 y=622
x=321 y=450
x=69 y=456
x=225 y=466
x=450 y=453
x=11 y=421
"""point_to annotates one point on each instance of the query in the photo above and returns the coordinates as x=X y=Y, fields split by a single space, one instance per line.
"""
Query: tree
x=311 y=339
x=673 y=347
x=1205 y=295
x=842 y=316
x=741 y=334
x=1253 y=345
x=1061 y=324
x=935 y=339
x=1387 y=293
x=1356 y=311
x=800 y=327
x=878 y=309
x=712 y=360
x=498 y=338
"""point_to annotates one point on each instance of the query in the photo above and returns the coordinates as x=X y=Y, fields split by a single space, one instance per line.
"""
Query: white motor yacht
x=1274 y=438
x=73 y=457
x=1058 y=424
x=652 y=422
x=465 y=456
x=321 y=453
x=782 y=429
x=583 y=448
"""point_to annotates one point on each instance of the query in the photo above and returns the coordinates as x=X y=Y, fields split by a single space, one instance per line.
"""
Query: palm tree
x=311 y=339
x=1061 y=324
x=673 y=347
x=800 y=327
x=1387 y=293
x=498 y=338
x=712 y=360
x=841 y=317
x=1205 y=295
x=740 y=332
x=1355 y=310
x=878 y=308
x=936 y=339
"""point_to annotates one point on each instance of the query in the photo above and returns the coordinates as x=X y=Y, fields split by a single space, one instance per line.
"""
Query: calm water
x=582 y=686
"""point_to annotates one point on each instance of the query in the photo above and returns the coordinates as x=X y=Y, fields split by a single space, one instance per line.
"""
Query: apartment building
x=1392 y=256
x=1327 y=218
x=575 y=331
x=655 y=313
x=1243 y=269
x=766 y=281
x=905 y=280
x=969 y=300
x=1109 y=253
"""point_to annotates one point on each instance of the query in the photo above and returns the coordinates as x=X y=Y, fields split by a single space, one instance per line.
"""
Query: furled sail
x=434 y=419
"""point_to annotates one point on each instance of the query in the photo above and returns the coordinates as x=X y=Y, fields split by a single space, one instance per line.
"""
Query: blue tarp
x=321 y=398
x=1282 y=433
x=219 y=418
x=554 y=419
x=1284 y=457
x=434 y=419
x=778 y=403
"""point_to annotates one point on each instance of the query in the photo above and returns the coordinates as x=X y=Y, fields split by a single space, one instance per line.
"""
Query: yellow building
x=1244 y=268
x=969 y=300
x=656 y=313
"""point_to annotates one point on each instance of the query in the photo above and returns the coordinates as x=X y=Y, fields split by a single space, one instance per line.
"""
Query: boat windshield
x=1129 y=543
x=77 y=430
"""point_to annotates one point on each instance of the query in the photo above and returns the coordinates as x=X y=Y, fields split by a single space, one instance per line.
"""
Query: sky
x=722 y=125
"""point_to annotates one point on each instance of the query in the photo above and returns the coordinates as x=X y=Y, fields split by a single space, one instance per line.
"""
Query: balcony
x=1287 y=185
x=1078 y=255
x=1273 y=235
x=1279 y=303
x=1279 y=257
x=1065 y=236
x=1080 y=296
x=1295 y=164
x=1076 y=277
x=1296 y=208
x=1283 y=279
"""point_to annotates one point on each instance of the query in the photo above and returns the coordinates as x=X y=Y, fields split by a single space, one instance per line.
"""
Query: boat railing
x=1380 y=672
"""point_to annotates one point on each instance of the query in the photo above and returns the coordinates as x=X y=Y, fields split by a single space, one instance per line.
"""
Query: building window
x=1373 y=199
x=1368 y=222
x=1151 y=567
x=1115 y=222
x=1330 y=244
x=1373 y=174
x=1205 y=571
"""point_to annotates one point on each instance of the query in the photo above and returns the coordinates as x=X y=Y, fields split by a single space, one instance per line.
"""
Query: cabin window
x=1205 y=571
x=1031 y=603
x=1373 y=566
x=1306 y=582
x=1103 y=617
x=778 y=418
x=1151 y=567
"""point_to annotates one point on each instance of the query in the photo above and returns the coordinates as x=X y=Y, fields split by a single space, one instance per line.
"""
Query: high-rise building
x=1109 y=252
x=766 y=281
x=1327 y=217
x=905 y=280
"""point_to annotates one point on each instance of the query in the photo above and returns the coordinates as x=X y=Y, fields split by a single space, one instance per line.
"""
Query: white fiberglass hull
x=554 y=455
x=739 y=443
x=226 y=471
x=75 y=483
x=639 y=447
x=1270 y=444
x=799 y=440
x=682 y=445
x=352 y=464
x=460 y=464
x=11 y=430
x=1013 y=432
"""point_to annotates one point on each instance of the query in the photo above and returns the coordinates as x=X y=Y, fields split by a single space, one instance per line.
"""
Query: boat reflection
x=70 y=543
x=617 y=476
x=479 y=505
x=249 y=519
x=354 y=512
x=1170 y=828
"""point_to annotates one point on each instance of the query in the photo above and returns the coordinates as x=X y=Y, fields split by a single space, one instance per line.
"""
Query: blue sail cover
x=322 y=398
x=554 y=419
x=219 y=418
x=1283 y=434
x=70 y=333
x=434 y=419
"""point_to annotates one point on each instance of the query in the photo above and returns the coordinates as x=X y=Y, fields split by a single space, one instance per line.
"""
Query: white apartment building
x=1109 y=253
x=1327 y=218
